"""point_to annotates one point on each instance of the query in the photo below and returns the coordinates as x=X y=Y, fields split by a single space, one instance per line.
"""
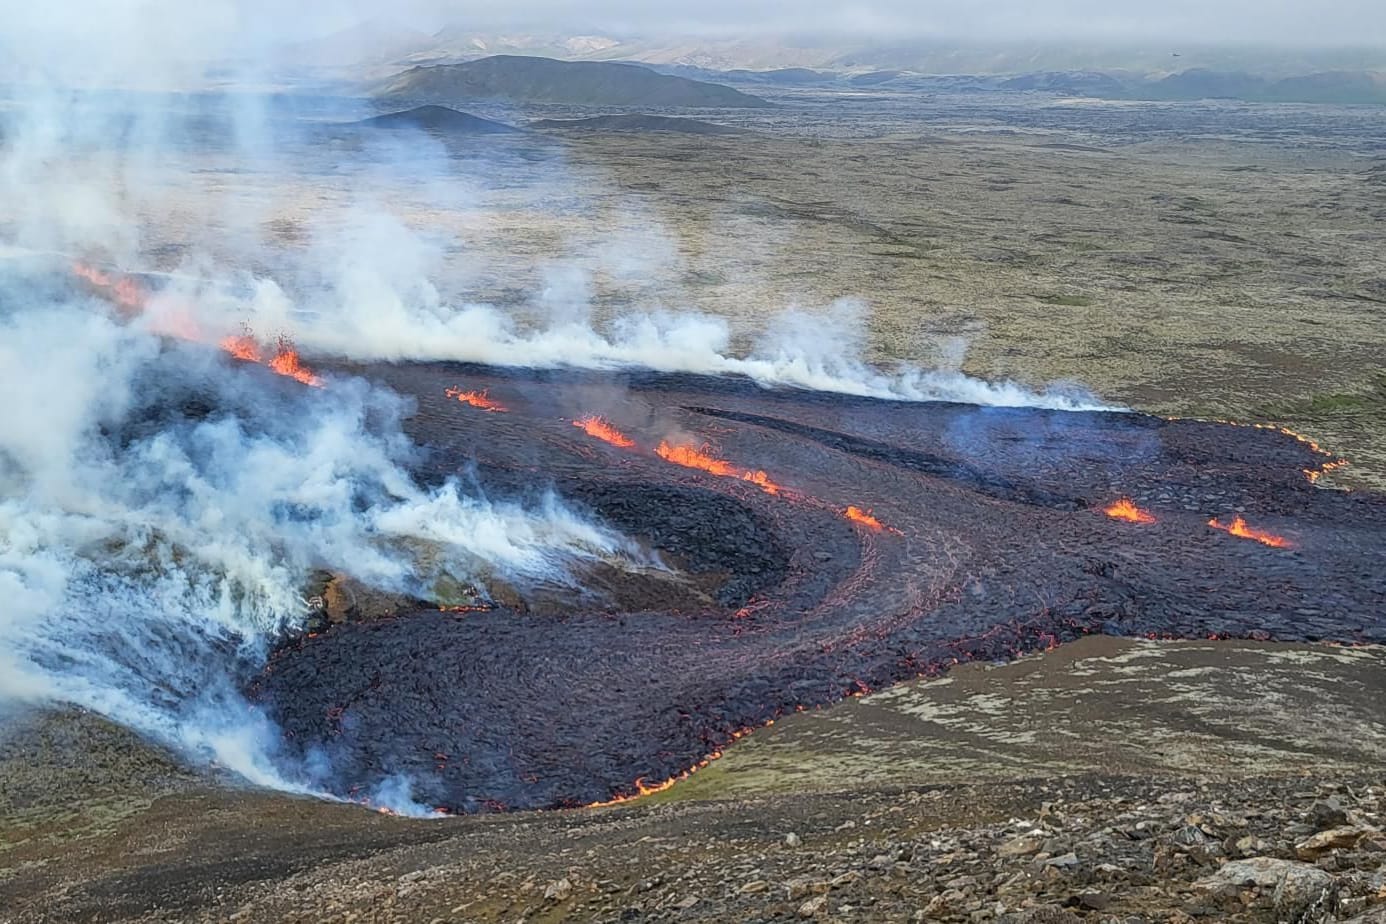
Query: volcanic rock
x=1021 y=846
x=616 y=680
x=1333 y=839
x=1326 y=814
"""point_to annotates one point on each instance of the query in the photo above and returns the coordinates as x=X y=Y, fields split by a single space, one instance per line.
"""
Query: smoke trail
x=161 y=510
x=369 y=310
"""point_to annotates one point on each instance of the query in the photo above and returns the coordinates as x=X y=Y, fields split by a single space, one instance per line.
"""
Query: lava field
x=817 y=546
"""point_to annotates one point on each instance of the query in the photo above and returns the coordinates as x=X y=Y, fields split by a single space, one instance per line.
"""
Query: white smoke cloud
x=160 y=509
x=146 y=557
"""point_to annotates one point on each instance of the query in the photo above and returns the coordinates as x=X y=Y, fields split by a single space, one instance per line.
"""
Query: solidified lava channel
x=899 y=539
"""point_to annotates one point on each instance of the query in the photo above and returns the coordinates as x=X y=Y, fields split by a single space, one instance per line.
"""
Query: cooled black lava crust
x=996 y=544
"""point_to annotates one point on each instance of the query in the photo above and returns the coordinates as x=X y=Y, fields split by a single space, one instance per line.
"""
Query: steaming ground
x=161 y=509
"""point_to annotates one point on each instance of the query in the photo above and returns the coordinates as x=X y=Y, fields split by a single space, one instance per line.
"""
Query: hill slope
x=638 y=123
x=520 y=79
x=438 y=119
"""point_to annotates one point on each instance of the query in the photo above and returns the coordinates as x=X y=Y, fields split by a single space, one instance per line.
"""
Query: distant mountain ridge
x=1329 y=87
x=1160 y=70
x=375 y=40
x=525 y=79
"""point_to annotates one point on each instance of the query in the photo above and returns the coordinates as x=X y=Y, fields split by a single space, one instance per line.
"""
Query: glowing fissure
x=130 y=296
x=1239 y=528
x=477 y=399
x=1125 y=509
x=597 y=427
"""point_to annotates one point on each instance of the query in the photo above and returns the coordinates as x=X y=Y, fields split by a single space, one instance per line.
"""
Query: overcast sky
x=1287 y=21
x=127 y=30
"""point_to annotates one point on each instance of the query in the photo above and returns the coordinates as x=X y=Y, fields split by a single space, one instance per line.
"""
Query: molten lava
x=1125 y=509
x=1238 y=527
x=478 y=399
x=699 y=459
x=599 y=428
x=864 y=517
x=285 y=361
x=243 y=347
x=1315 y=474
x=123 y=290
x=132 y=299
x=695 y=458
x=761 y=480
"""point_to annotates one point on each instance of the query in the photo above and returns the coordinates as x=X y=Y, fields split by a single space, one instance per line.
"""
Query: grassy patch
x=1370 y=400
x=1067 y=301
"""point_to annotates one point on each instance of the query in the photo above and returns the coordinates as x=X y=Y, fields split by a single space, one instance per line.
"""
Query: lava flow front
x=587 y=690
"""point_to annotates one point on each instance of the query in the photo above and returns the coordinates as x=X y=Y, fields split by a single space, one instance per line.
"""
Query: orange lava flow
x=1125 y=509
x=694 y=458
x=130 y=296
x=1238 y=527
x=286 y=361
x=599 y=428
x=476 y=399
x=648 y=789
x=124 y=291
x=864 y=517
x=1315 y=474
x=1311 y=473
x=243 y=347
x=761 y=480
